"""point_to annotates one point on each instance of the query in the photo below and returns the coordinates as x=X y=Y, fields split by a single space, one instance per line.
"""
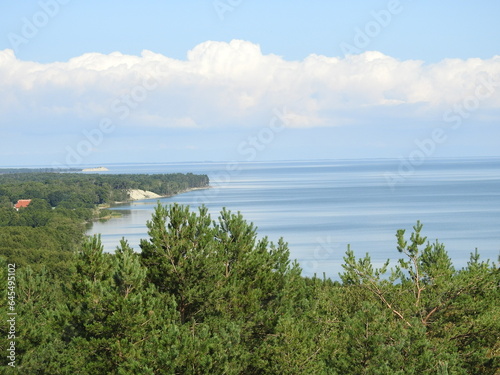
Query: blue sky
x=127 y=81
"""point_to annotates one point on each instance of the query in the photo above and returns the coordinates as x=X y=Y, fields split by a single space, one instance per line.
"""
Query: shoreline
x=114 y=215
x=188 y=190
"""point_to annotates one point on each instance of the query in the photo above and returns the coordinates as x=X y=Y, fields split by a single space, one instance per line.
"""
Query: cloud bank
x=234 y=84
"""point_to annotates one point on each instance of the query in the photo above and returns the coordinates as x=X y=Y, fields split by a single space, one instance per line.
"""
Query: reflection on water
x=321 y=206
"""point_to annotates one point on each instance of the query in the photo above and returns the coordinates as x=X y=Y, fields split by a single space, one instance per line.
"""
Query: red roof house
x=22 y=203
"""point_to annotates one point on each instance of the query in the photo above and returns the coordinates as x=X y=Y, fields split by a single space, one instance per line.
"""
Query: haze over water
x=319 y=207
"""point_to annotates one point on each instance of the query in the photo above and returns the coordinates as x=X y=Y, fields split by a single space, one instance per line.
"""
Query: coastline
x=157 y=196
x=96 y=169
x=114 y=215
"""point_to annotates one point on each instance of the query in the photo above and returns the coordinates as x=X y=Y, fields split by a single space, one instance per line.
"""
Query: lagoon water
x=319 y=207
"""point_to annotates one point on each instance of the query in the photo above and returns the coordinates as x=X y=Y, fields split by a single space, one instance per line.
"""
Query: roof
x=21 y=203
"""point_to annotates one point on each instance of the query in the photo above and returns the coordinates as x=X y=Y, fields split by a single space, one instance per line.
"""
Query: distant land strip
x=39 y=170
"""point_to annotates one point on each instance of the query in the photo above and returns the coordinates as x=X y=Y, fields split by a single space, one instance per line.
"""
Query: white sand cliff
x=98 y=169
x=138 y=194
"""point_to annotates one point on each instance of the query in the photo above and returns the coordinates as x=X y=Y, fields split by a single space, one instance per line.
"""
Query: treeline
x=207 y=296
x=52 y=227
x=74 y=190
x=38 y=170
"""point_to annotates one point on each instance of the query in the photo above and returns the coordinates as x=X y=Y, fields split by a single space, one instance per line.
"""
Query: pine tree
x=226 y=283
x=116 y=317
x=40 y=318
x=422 y=288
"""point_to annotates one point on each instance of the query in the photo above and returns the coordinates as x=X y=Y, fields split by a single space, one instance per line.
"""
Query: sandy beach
x=138 y=194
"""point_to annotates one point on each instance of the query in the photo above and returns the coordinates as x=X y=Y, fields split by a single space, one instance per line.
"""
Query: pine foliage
x=209 y=296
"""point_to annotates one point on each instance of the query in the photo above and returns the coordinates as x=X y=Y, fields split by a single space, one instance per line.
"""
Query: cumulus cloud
x=235 y=84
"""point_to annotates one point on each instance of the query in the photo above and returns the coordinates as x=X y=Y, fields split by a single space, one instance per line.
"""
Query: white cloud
x=234 y=84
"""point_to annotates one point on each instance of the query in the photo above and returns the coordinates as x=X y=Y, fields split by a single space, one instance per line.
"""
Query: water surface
x=319 y=207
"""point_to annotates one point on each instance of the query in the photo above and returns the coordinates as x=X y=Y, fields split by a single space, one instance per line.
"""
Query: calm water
x=319 y=207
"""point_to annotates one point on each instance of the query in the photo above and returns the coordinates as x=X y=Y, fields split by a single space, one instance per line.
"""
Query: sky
x=90 y=83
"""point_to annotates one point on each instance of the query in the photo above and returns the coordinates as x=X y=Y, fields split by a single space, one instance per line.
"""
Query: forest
x=207 y=295
x=52 y=227
x=39 y=170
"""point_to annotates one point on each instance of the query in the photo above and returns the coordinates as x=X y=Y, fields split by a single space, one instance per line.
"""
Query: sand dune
x=137 y=194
